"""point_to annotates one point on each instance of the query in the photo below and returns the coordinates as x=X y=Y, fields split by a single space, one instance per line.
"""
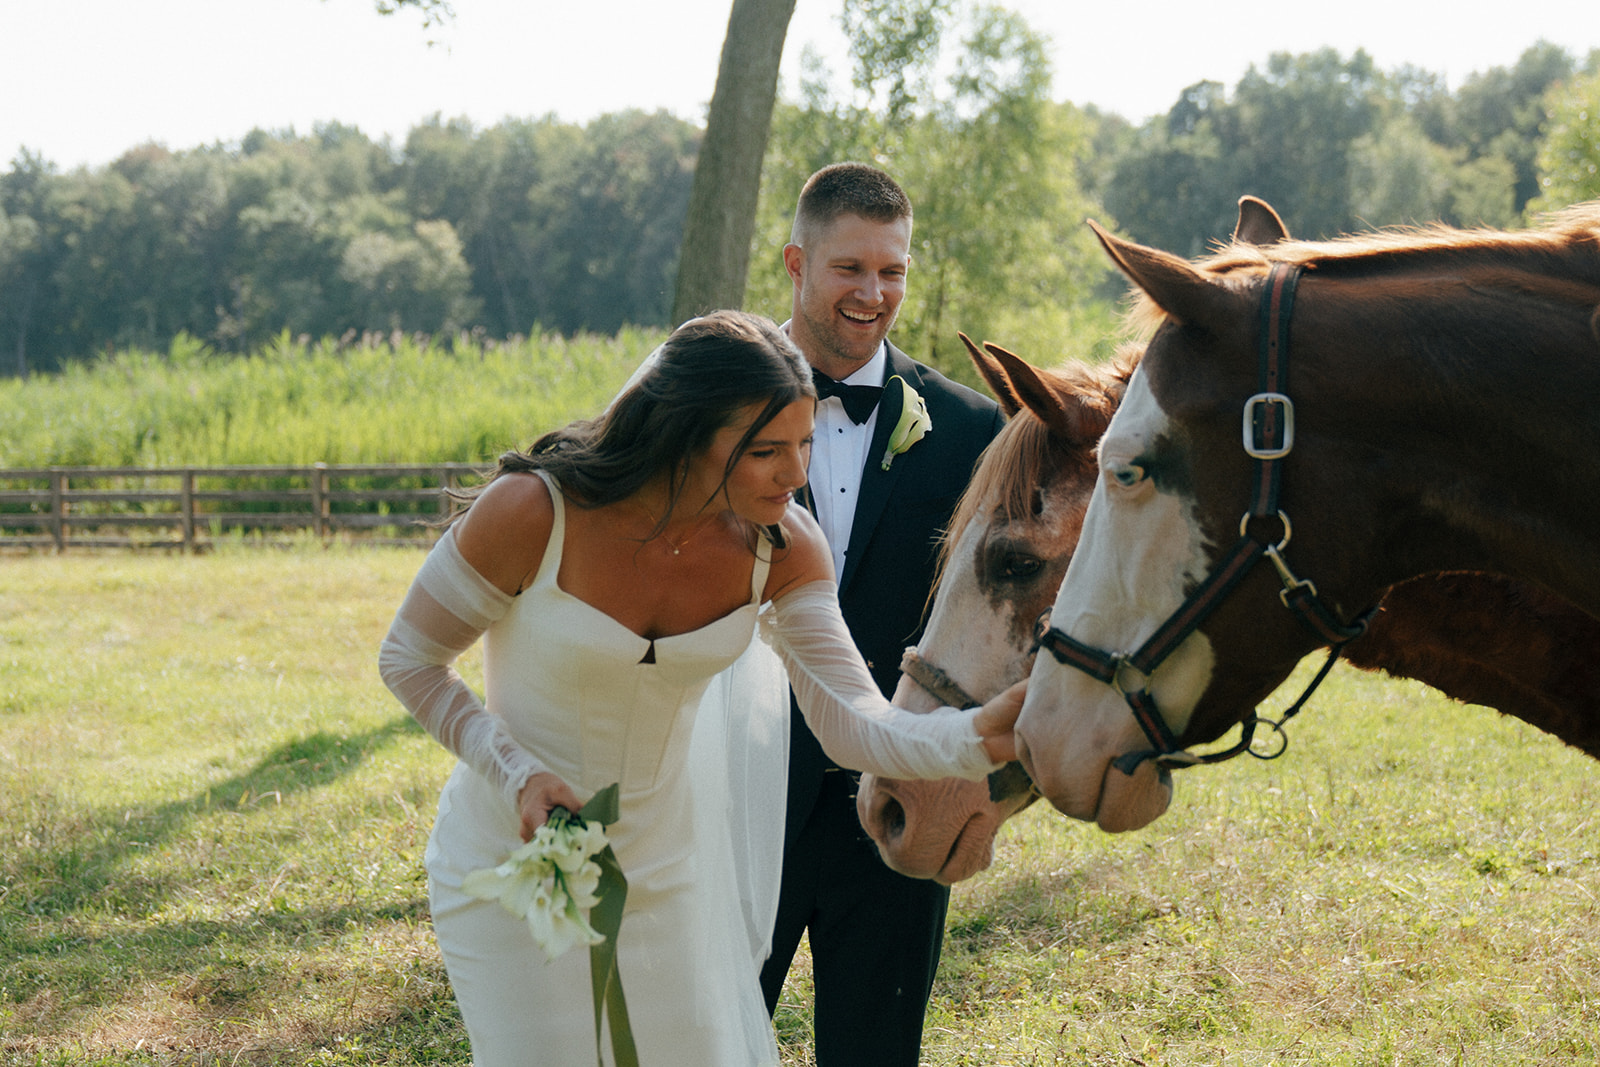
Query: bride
x=619 y=572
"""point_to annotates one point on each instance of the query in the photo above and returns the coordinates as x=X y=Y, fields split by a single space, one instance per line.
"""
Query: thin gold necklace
x=677 y=546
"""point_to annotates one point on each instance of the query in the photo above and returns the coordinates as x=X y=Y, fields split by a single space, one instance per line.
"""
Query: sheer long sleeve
x=858 y=728
x=448 y=606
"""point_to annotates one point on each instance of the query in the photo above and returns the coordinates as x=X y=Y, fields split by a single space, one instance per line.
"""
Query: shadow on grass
x=240 y=992
x=75 y=935
x=84 y=865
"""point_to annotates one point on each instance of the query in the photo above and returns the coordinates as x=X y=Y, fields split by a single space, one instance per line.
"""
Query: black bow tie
x=858 y=400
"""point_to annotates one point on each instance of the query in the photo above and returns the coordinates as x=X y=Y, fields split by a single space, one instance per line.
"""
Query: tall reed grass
x=390 y=399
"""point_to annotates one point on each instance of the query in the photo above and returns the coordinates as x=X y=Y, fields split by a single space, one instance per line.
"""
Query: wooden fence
x=189 y=508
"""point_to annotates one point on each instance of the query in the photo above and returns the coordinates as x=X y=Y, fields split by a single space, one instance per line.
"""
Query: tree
x=1165 y=182
x=19 y=239
x=605 y=226
x=30 y=194
x=1292 y=129
x=1569 y=160
x=417 y=282
x=493 y=186
x=1499 y=112
x=714 y=262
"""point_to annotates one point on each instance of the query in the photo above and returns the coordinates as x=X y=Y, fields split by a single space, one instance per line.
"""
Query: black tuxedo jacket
x=890 y=561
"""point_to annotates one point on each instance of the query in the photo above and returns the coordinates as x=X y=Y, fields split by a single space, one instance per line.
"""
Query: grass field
x=212 y=817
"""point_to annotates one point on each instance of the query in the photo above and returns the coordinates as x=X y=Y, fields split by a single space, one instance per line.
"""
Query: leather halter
x=1268 y=434
x=1010 y=780
x=935 y=682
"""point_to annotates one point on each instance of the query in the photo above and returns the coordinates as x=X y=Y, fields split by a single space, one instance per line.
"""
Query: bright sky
x=81 y=81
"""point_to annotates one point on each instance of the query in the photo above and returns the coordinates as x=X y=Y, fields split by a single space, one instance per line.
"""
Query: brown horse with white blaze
x=1410 y=402
x=1480 y=638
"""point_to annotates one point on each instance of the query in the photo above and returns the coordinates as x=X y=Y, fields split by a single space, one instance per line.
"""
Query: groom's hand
x=994 y=722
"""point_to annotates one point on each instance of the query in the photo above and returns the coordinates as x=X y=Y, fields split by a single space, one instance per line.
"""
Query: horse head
x=1166 y=632
x=1003 y=559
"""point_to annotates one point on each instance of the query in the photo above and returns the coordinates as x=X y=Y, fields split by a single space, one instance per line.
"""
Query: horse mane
x=1014 y=466
x=1566 y=244
x=1011 y=468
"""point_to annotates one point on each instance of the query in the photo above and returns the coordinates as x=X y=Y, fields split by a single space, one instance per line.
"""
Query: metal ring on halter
x=1041 y=626
x=1288 y=527
x=1118 y=663
x=1281 y=734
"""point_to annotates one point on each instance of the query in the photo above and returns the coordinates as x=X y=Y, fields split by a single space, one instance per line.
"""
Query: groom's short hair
x=847 y=189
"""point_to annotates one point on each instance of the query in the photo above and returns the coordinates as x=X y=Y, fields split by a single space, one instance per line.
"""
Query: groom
x=874 y=934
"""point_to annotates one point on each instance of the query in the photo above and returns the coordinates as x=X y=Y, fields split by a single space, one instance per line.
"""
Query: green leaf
x=606 y=981
x=604 y=806
x=606 y=918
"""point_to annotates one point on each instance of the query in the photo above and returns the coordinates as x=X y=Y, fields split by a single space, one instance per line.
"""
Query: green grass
x=212 y=817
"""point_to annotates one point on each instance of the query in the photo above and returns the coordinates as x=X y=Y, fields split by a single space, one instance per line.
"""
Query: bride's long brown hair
x=700 y=380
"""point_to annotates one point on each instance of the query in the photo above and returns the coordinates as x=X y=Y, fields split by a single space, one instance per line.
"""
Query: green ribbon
x=606 y=918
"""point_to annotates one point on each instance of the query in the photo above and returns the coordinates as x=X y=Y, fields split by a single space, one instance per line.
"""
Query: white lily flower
x=913 y=423
x=550 y=882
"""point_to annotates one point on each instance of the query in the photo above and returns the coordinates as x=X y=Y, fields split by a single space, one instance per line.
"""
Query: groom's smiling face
x=849 y=279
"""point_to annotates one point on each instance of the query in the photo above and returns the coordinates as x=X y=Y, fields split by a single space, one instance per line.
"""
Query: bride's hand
x=994 y=722
x=540 y=795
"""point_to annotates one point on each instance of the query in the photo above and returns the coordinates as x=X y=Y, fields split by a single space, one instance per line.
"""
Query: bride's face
x=772 y=468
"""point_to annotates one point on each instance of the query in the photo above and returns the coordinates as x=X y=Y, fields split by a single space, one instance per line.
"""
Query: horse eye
x=1128 y=475
x=1021 y=566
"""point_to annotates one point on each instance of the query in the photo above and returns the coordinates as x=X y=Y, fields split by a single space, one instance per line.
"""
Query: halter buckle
x=1257 y=406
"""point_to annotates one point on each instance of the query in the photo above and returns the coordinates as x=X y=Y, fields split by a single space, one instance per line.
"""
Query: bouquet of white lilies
x=566 y=884
x=551 y=882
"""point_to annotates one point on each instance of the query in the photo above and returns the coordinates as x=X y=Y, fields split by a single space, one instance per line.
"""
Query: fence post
x=319 y=500
x=58 y=508
x=447 y=482
x=187 y=494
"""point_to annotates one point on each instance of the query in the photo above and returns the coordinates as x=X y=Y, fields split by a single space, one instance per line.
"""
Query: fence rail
x=188 y=508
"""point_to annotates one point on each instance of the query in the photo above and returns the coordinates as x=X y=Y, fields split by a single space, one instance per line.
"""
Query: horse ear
x=1068 y=413
x=1187 y=295
x=994 y=375
x=1258 y=224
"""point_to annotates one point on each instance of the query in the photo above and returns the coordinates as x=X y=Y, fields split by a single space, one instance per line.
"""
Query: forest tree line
x=538 y=225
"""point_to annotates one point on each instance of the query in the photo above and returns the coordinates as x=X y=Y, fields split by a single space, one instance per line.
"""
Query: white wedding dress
x=693 y=727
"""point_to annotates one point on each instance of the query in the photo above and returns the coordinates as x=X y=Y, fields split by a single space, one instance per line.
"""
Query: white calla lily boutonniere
x=914 y=421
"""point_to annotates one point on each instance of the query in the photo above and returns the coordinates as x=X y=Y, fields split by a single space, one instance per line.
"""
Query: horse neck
x=1481 y=403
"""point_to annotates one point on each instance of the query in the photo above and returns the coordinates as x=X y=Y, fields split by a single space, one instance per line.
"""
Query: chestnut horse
x=1480 y=638
x=1356 y=413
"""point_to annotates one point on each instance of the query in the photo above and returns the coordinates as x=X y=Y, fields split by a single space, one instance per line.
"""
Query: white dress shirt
x=838 y=457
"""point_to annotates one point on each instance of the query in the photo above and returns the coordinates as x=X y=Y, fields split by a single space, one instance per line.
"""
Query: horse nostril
x=893 y=817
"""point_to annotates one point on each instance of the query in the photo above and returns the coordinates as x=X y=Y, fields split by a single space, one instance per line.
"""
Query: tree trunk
x=715 y=259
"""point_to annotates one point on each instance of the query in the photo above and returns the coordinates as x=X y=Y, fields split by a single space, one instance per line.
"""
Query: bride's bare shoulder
x=504 y=533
